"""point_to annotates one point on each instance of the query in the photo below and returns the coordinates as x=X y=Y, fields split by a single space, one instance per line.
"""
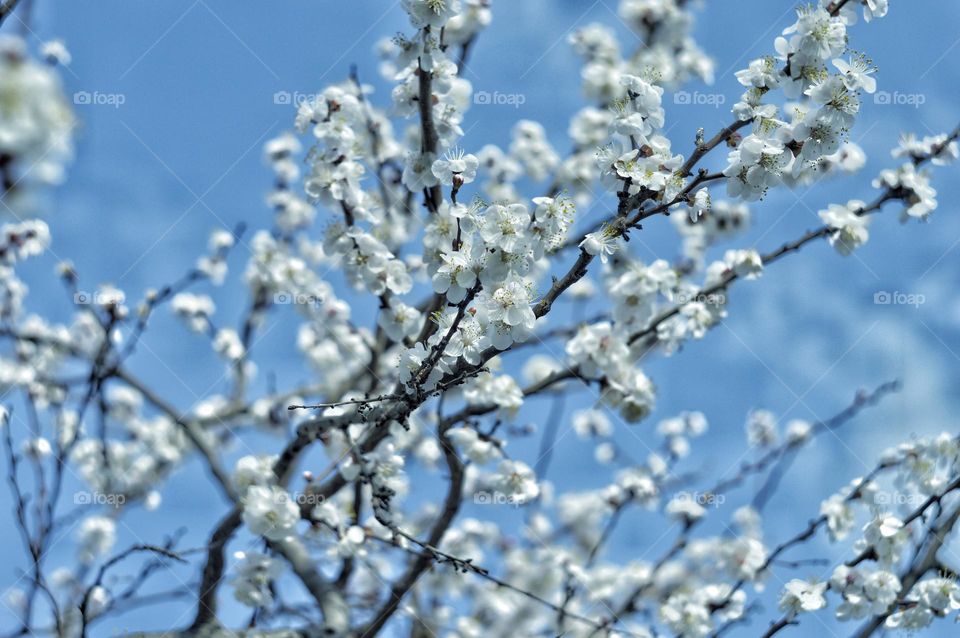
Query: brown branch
x=429 y=138
x=451 y=506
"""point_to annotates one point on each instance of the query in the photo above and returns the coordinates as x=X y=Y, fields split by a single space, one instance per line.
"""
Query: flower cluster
x=36 y=128
x=824 y=89
x=417 y=384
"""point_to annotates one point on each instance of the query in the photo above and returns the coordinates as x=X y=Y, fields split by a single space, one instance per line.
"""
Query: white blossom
x=850 y=226
x=802 y=595
x=517 y=480
x=254 y=573
x=270 y=512
x=96 y=537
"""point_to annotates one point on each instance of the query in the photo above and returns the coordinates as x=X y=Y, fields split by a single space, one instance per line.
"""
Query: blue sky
x=183 y=155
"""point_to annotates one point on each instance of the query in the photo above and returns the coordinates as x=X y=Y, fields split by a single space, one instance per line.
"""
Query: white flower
x=196 y=310
x=55 y=51
x=882 y=588
x=887 y=536
x=215 y=268
x=751 y=107
x=760 y=73
x=254 y=470
x=509 y=307
x=37 y=447
x=700 y=204
x=591 y=423
x=850 y=158
x=254 y=574
x=745 y=263
x=517 y=480
x=840 y=516
x=743 y=557
x=399 y=320
x=589 y=126
x=506 y=227
x=851 y=228
x=918 y=195
x=418 y=172
x=500 y=390
x=456 y=165
x=889 y=526
x=761 y=428
x=479 y=450
x=931 y=598
x=602 y=243
x=276 y=149
x=856 y=74
x=433 y=13
x=97 y=535
x=798 y=431
x=551 y=221
x=351 y=542
x=940 y=594
x=874 y=9
x=633 y=393
x=24 y=239
x=802 y=595
x=640 y=114
x=37 y=123
x=227 y=344
x=685 y=508
x=635 y=291
x=645 y=98
x=937 y=147
x=456 y=274
x=839 y=105
x=411 y=361
x=598 y=347
x=605 y=453
x=511 y=304
x=685 y=616
x=98 y=601
x=653 y=169
x=686 y=424
x=817 y=33
x=270 y=512
x=539 y=367
x=531 y=148
x=864 y=592
x=756 y=165
x=468 y=341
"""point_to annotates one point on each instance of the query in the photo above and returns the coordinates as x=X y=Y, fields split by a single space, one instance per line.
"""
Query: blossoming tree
x=411 y=403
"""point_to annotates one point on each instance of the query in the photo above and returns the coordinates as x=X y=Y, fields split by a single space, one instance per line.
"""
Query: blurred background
x=198 y=88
